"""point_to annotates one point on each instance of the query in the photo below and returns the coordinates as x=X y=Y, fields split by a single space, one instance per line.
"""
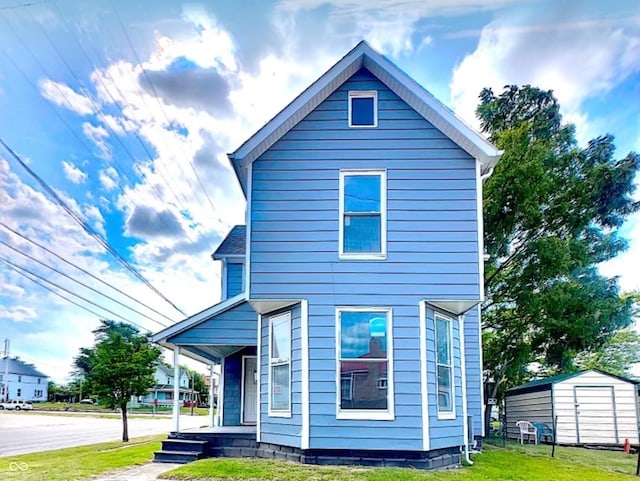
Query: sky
x=126 y=110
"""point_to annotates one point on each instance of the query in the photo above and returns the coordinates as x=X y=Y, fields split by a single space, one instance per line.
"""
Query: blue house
x=349 y=331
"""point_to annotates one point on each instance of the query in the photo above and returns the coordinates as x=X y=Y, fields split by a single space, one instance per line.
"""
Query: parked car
x=86 y=401
x=16 y=406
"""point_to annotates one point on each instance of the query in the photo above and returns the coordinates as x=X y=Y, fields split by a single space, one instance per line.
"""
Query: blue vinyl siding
x=235 y=327
x=234 y=278
x=232 y=386
x=444 y=432
x=473 y=344
x=432 y=248
x=282 y=430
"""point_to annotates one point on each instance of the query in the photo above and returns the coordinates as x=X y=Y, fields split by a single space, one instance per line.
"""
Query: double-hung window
x=280 y=365
x=364 y=363
x=363 y=214
x=444 y=366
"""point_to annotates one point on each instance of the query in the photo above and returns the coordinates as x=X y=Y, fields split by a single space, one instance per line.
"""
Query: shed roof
x=232 y=245
x=20 y=368
x=364 y=56
x=545 y=383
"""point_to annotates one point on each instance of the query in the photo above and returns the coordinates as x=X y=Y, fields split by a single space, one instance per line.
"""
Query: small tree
x=120 y=365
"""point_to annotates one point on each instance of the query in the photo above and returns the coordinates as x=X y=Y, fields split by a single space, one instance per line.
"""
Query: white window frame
x=366 y=414
x=366 y=94
x=382 y=255
x=279 y=413
x=445 y=414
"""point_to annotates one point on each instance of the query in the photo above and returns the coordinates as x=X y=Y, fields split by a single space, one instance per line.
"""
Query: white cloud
x=97 y=134
x=576 y=63
x=109 y=178
x=63 y=95
x=390 y=25
x=19 y=313
x=73 y=173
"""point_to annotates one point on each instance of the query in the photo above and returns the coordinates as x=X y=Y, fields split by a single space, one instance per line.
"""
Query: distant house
x=23 y=383
x=592 y=407
x=350 y=325
x=163 y=389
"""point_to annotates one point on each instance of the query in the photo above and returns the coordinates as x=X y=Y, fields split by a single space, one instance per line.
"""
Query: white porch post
x=176 y=389
x=211 y=383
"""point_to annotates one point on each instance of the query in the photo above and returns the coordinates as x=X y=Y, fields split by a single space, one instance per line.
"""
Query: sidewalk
x=146 y=472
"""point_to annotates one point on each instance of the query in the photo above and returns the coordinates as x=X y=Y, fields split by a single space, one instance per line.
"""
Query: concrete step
x=179 y=457
x=184 y=445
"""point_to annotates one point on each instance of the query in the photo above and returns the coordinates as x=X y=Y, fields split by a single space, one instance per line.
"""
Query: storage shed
x=592 y=407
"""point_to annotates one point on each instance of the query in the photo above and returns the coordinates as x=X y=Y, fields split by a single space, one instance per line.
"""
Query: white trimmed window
x=363 y=214
x=364 y=363
x=444 y=367
x=280 y=365
x=363 y=108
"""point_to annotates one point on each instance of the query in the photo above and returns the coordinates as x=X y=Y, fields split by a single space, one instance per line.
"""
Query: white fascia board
x=196 y=319
x=431 y=108
x=453 y=306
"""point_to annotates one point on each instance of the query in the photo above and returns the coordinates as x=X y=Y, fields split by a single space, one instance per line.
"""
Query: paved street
x=22 y=433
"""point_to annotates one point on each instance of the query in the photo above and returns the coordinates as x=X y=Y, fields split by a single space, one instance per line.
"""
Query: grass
x=64 y=407
x=610 y=460
x=495 y=464
x=79 y=463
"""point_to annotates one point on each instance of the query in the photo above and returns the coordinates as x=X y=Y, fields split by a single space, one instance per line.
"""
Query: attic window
x=363 y=108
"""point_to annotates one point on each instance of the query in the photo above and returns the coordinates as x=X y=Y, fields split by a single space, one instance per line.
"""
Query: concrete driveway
x=23 y=432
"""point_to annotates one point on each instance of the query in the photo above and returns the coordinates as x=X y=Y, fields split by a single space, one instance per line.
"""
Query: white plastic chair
x=526 y=429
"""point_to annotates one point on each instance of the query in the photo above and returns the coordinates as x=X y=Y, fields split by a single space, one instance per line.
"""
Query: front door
x=249 y=390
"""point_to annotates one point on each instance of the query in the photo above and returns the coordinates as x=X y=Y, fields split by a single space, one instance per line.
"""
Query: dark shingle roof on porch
x=233 y=245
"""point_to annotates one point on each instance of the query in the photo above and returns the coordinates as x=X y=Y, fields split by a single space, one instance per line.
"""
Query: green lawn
x=495 y=464
x=50 y=406
x=79 y=463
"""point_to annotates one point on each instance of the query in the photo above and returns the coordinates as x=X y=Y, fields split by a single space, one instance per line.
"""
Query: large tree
x=552 y=212
x=120 y=365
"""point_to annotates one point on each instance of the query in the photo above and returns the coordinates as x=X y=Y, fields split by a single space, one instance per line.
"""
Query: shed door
x=596 y=415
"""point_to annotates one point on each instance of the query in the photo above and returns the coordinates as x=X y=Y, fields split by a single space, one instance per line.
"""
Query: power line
x=14 y=266
x=87 y=228
x=23 y=5
x=18 y=271
x=5 y=226
x=101 y=114
x=30 y=257
x=113 y=100
x=164 y=112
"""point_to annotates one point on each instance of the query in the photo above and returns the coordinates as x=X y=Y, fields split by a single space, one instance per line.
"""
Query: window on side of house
x=444 y=367
x=363 y=214
x=363 y=108
x=280 y=365
x=364 y=363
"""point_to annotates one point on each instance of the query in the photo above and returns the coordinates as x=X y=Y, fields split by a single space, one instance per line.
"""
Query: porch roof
x=213 y=333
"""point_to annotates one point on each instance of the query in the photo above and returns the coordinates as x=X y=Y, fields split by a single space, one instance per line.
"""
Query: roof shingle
x=233 y=245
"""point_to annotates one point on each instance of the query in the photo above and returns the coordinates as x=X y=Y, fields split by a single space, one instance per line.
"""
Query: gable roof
x=20 y=368
x=545 y=384
x=364 y=56
x=233 y=245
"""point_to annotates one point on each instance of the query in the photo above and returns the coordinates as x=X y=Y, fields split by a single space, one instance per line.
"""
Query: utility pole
x=5 y=378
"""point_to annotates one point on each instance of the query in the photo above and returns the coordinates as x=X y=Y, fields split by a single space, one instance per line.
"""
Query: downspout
x=463 y=369
x=485 y=176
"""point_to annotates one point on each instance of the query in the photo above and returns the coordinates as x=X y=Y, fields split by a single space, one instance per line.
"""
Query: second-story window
x=363 y=214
